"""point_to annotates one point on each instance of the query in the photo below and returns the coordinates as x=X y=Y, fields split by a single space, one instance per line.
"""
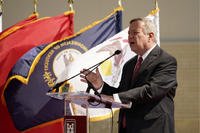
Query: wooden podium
x=80 y=124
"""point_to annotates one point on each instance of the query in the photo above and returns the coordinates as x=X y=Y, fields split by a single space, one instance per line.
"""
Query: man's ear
x=151 y=35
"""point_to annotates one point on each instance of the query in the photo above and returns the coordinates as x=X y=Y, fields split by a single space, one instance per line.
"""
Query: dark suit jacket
x=151 y=93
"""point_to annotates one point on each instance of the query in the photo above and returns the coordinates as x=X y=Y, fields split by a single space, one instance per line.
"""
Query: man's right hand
x=93 y=77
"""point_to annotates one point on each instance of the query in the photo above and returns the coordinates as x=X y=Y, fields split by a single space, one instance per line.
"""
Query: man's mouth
x=132 y=42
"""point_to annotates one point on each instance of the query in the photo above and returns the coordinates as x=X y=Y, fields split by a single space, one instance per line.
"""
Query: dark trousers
x=122 y=130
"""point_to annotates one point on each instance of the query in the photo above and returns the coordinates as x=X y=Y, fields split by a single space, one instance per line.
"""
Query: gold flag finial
x=156 y=4
x=119 y=2
x=70 y=2
x=35 y=6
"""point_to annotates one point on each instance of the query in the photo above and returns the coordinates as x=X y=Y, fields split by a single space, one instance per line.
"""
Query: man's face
x=136 y=37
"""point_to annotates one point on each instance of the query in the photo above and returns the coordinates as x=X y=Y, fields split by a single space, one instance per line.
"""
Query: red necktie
x=137 y=67
x=124 y=121
x=135 y=73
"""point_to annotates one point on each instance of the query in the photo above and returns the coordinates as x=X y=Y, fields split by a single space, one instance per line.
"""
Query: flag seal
x=58 y=59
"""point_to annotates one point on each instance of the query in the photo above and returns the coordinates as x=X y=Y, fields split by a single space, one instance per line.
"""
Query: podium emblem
x=70 y=126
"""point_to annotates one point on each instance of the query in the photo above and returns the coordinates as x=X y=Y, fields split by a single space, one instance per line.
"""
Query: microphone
x=56 y=86
x=117 y=52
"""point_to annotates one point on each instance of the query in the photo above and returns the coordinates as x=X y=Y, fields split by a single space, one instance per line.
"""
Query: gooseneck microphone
x=117 y=52
x=56 y=86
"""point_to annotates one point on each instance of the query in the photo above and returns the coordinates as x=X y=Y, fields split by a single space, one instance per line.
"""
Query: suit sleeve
x=161 y=82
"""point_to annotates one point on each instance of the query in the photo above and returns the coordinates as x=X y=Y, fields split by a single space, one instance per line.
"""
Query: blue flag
x=39 y=69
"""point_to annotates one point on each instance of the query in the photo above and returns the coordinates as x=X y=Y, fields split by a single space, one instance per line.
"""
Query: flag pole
x=158 y=28
x=1 y=14
x=70 y=2
x=35 y=6
x=156 y=4
x=1 y=6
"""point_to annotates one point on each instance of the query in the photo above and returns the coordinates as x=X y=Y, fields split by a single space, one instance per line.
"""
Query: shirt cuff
x=100 y=89
x=116 y=98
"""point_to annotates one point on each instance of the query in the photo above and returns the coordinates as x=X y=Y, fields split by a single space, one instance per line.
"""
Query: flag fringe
x=61 y=120
x=15 y=28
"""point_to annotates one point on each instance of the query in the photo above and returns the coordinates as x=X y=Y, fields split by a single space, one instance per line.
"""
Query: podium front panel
x=75 y=124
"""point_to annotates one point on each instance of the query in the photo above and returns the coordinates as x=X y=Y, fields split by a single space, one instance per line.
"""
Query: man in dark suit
x=148 y=83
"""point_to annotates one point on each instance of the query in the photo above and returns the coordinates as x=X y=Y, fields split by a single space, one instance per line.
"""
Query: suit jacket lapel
x=149 y=59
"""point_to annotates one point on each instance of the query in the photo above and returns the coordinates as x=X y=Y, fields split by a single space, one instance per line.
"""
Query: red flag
x=49 y=127
x=5 y=118
x=18 y=42
x=18 y=25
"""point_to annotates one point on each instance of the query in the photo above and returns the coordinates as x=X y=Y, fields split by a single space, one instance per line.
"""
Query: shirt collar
x=147 y=52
